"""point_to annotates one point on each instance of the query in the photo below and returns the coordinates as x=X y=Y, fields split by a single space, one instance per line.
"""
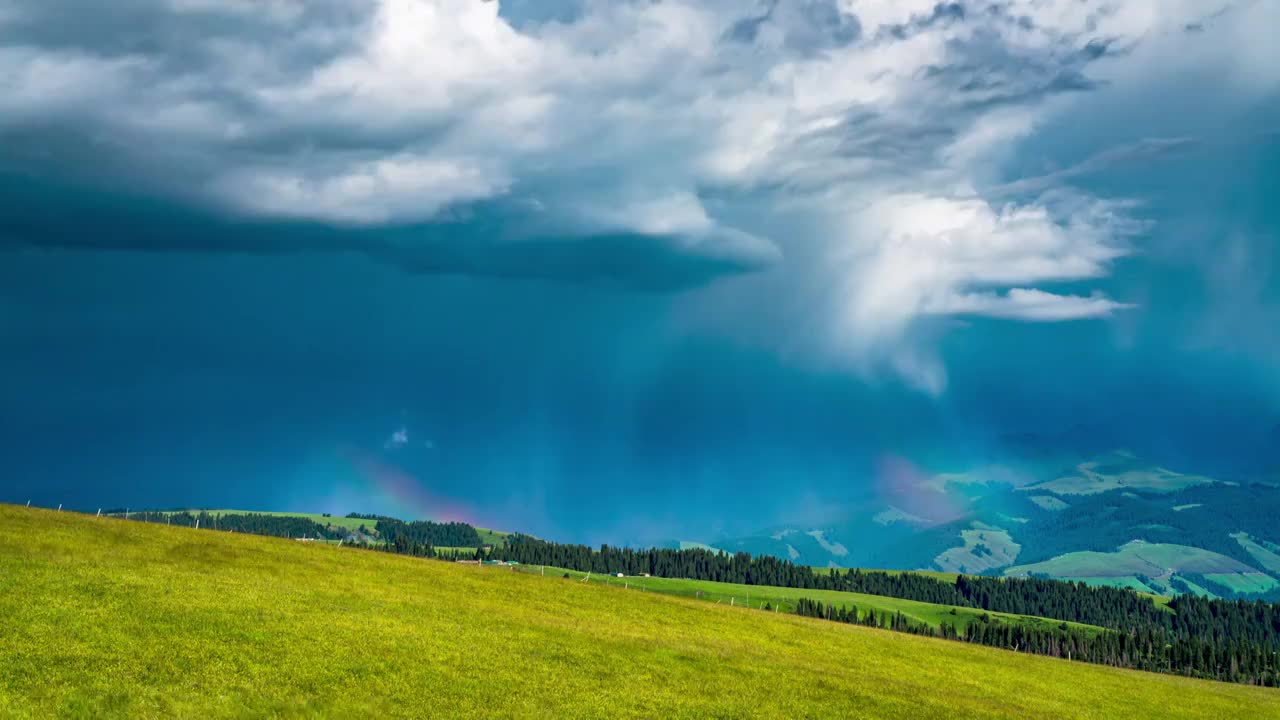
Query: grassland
x=104 y=618
x=784 y=599
x=493 y=537
x=487 y=536
x=1132 y=559
x=1048 y=502
x=1265 y=556
x=318 y=518
x=1093 y=477
x=1246 y=583
x=985 y=548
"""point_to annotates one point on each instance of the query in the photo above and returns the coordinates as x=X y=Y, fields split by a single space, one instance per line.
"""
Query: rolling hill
x=1112 y=519
x=104 y=618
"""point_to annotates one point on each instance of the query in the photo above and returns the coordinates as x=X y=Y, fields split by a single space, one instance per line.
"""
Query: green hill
x=783 y=599
x=1065 y=516
x=105 y=618
x=1162 y=565
x=487 y=536
x=317 y=518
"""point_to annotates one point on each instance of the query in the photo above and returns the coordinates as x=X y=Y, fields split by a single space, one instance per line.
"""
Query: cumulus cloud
x=636 y=143
x=926 y=255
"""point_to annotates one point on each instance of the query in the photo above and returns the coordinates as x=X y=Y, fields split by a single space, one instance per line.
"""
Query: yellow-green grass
x=1159 y=600
x=495 y=538
x=784 y=598
x=103 y=618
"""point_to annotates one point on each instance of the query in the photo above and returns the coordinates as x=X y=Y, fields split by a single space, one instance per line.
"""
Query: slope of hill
x=105 y=618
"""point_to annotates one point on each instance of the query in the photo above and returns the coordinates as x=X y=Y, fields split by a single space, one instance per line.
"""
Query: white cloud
x=912 y=255
x=386 y=189
x=1025 y=304
x=36 y=83
x=875 y=14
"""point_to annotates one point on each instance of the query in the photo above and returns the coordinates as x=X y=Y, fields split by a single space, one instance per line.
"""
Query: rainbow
x=406 y=493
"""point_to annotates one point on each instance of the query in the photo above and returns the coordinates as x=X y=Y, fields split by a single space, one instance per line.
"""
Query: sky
x=627 y=270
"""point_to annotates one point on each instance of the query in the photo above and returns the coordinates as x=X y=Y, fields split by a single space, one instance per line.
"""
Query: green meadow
x=782 y=599
x=107 y=618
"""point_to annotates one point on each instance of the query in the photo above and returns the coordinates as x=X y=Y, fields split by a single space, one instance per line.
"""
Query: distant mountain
x=1110 y=518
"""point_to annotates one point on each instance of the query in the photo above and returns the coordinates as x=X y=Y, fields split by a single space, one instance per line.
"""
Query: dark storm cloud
x=129 y=115
x=628 y=143
x=180 y=33
x=60 y=217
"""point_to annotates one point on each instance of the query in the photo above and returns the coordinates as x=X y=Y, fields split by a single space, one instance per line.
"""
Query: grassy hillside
x=1266 y=557
x=493 y=537
x=105 y=618
x=756 y=595
x=1118 y=473
x=1161 y=563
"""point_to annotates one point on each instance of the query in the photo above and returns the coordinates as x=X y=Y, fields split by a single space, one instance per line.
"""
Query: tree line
x=1145 y=648
x=412 y=538
x=426 y=533
x=286 y=526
